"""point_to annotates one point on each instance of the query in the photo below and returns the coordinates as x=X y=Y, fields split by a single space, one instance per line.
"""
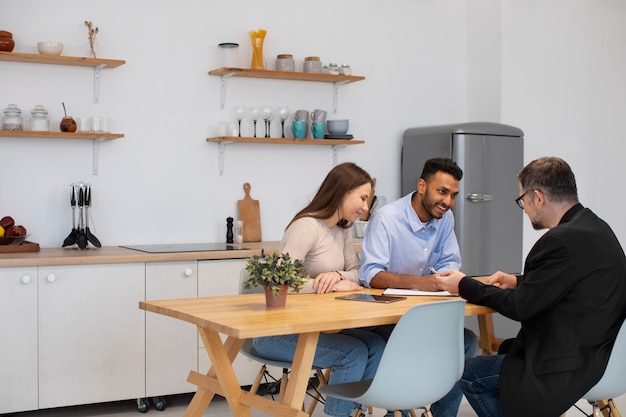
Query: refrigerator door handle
x=479 y=198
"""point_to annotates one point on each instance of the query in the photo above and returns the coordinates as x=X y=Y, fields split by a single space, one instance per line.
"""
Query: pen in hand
x=433 y=270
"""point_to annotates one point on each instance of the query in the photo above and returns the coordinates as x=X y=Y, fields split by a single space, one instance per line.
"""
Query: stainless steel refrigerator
x=488 y=223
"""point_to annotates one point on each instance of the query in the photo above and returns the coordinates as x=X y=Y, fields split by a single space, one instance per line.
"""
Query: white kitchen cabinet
x=171 y=344
x=18 y=349
x=221 y=277
x=91 y=333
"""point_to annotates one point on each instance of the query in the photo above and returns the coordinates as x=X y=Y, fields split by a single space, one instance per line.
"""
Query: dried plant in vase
x=92 y=38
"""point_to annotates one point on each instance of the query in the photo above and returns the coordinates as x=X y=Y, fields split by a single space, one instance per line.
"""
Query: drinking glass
x=240 y=113
x=255 y=113
x=283 y=113
x=267 y=117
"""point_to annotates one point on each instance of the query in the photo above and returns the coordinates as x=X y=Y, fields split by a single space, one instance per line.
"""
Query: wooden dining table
x=244 y=316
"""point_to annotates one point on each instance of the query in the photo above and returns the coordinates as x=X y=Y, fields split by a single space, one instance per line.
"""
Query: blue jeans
x=448 y=406
x=353 y=355
x=480 y=385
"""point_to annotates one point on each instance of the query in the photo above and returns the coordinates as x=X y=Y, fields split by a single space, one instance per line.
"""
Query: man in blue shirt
x=408 y=236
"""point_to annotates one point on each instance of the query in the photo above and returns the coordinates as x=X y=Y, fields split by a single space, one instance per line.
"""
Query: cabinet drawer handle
x=188 y=272
x=51 y=278
x=26 y=279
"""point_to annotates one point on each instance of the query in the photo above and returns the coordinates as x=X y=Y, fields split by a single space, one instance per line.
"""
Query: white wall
x=160 y=183
x=553 y=69
x=563 y=69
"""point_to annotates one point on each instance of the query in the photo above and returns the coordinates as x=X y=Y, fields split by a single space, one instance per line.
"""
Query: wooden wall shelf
x=60 y=60
x=60 y=135
x=286 y=141
x=286 y=75
x=336 y=80
x=335 y=143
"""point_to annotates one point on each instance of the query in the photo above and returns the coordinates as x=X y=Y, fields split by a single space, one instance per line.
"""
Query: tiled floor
x=219 y=408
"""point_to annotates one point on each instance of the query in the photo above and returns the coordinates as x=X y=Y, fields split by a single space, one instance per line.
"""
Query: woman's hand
x=325 y=282
x=331 y=281
x=347 y=285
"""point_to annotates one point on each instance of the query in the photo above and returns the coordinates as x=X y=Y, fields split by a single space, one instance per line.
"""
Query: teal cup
x=318 y=129
x=298 y=128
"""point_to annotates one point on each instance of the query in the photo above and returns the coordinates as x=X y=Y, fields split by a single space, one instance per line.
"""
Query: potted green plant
x=276 y=273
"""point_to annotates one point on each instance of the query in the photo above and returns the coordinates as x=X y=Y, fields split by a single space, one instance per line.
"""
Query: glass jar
x=39 y=120
x=345 y=69
x=228 y=56
x=312 y=64
x=285 y=62
x=333 y=69
x=12 y=119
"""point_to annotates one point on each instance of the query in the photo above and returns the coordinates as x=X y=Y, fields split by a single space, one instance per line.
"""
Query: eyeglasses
x=520 y=200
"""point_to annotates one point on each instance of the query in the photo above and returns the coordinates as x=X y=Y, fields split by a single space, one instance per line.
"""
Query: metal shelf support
x=96 y=82
x=336 y=94
x=96 y=154
x=223 y=79
x=222 y=153
x=334 y=150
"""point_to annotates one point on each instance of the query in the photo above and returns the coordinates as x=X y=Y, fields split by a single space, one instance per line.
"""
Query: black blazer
x=571 y=302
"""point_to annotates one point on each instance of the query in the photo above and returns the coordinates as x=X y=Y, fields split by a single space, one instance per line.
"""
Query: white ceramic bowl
x=337 y=127
x=50 y=48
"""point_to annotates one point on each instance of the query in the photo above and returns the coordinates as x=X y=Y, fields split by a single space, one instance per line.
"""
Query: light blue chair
x=422 y=361
x=613 y=382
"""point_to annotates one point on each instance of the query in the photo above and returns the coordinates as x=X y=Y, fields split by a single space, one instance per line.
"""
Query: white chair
x=422 y=361
x=613 y=382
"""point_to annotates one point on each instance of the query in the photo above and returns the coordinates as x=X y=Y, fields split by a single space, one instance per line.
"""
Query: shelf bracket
x=96 y=82
x=223 y=79
x=334 y=151
x=336 y=94
x=222 y=153
x=96 y=154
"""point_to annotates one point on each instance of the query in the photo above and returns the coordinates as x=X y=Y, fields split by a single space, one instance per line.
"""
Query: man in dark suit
x=570 y=300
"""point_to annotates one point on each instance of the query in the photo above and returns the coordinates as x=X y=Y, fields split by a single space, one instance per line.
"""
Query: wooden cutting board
x=250 y=213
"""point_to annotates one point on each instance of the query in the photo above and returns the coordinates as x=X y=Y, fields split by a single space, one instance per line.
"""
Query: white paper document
x=404 y=291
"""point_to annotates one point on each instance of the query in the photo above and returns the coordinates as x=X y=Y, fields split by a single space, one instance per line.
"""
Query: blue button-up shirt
x=397 y=241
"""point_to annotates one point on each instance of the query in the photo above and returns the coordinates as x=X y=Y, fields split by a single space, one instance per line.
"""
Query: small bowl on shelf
x=12 y=240
x=337 y=127
x=50 y=48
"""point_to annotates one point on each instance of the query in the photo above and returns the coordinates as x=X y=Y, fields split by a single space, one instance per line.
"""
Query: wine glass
x=267 y=117
x=283 y=113
x=255 y=113
x=240 y=113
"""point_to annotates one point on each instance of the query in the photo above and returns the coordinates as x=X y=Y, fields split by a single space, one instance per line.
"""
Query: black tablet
x=371 y=298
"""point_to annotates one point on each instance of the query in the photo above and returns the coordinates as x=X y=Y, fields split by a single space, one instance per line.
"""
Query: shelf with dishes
x=334 y=143
x=96 y=63
x=335 y=79
x=95 y=137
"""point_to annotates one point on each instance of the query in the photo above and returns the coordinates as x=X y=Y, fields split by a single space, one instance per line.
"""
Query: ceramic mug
x=318 y=115
x=318 y=129
x=298 y=128
x=301 y=115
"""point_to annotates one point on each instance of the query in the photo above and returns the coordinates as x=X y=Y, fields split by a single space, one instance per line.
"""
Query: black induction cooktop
x=184 y=247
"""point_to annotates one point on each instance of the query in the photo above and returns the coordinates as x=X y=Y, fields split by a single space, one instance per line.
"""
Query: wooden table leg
x=220 y=378
x=301 y=369
x=487 y=340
